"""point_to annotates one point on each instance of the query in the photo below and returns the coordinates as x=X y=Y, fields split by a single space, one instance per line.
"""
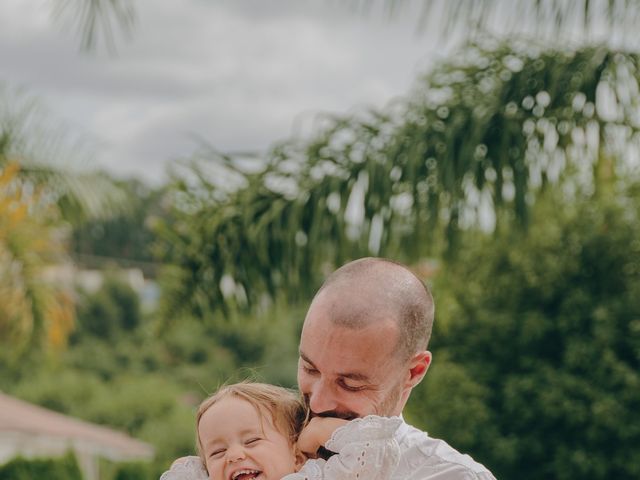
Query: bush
x=134 y=471
x=548 y=323
x=65 y=468
x=114 y=308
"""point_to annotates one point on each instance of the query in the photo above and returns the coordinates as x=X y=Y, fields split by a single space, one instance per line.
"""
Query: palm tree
x=474 y=142
x=34 y=312
x=38 y=198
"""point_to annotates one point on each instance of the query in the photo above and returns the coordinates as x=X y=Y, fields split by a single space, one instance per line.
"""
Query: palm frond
x=50 y=157
x=551 y=20
x=97 y=19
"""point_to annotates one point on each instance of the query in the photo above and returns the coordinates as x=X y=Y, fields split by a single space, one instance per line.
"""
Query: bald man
x=362 y=350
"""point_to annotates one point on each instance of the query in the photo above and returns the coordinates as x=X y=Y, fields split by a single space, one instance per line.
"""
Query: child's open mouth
x=245 y=474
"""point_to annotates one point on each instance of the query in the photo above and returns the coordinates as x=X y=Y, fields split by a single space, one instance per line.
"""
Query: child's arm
x=317 y=433
x=366 y=448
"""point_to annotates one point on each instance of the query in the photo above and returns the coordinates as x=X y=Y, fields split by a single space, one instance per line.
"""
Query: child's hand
x=317 y=432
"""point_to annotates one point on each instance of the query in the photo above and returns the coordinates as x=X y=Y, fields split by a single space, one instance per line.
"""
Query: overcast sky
x=237 y=73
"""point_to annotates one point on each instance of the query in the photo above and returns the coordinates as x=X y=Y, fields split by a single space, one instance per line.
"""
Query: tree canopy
x=479 y=135
x=540 y=333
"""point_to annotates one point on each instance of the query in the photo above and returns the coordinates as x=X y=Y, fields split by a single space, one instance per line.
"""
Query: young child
x=252 y=431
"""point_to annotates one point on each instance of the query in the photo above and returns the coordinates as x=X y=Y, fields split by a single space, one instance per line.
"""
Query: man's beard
x=390 y=404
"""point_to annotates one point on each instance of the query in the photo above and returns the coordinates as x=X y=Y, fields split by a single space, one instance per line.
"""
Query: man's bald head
x=371 y=290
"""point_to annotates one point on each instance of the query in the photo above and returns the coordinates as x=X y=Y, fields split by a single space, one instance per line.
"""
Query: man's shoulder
x=432 y=456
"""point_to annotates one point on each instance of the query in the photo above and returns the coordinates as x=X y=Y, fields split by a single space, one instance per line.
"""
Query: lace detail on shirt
x=369 y=428
x=191 y=469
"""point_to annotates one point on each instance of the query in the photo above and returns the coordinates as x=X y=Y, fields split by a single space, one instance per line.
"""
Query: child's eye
x=252 y=440
x=217 y=453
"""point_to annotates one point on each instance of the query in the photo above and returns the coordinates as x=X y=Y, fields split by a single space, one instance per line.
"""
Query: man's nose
x=235 y=453
x=322 y=398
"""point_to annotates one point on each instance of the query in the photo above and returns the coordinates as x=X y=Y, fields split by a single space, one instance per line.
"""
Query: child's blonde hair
x=287 y=410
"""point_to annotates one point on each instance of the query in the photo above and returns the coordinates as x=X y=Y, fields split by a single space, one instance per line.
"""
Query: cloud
x=237 y=73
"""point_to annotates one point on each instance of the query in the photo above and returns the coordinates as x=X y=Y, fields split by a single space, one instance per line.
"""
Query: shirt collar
x=403 y=429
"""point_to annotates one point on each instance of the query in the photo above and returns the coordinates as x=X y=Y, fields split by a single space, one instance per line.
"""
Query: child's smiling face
x=241 y=443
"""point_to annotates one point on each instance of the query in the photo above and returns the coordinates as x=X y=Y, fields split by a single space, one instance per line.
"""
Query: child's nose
x=235 y=453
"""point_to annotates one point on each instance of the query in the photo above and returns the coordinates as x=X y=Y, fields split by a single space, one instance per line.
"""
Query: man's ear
x=418 y=366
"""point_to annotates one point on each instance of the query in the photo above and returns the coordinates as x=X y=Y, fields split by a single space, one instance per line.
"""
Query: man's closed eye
x=351 y=388
x=309 y=370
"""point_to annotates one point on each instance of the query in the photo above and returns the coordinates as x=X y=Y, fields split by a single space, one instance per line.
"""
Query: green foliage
x=65 y=468
x=450 y=404
x=113 y=309
x=209 y=354
x=128 y=301
x=123 y=402
x=98 y=315
x=131 y=470
x=136 y=402
x=68 y=391
x=134 y=471
x=173 y=435
x=125 y=237
x=544 y=333
x=481 y=134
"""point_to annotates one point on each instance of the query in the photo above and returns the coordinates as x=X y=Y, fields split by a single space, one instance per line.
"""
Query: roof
x=25 y=418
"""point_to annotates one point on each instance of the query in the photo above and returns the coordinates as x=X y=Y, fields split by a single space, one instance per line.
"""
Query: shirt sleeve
x=366 y=449
x=191 y=469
